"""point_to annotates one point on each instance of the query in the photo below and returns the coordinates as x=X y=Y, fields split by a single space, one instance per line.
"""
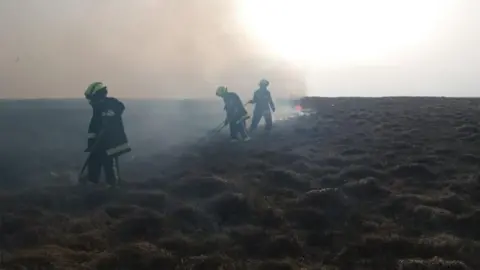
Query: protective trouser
x=257 y=116
x=99 y=160
x=238 y=127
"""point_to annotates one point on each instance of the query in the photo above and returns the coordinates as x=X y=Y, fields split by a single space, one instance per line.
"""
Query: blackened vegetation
x=386 y=183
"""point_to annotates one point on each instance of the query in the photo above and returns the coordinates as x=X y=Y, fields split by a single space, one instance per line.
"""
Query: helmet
x=221 y=90
x=263 y=82
x=94 y=89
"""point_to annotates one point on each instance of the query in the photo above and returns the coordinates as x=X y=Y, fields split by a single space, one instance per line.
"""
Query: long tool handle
x=94 y=146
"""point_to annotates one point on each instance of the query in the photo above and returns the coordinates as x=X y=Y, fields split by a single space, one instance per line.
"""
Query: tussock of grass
x=388 y=183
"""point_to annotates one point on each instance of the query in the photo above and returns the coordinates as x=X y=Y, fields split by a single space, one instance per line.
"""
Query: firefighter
x=106 y=136
x=236 y=114
x=263 y=103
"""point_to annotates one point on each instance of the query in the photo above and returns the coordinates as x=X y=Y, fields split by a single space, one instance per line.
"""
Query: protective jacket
x=106 y=131
x=234 y=106
x=263 y=100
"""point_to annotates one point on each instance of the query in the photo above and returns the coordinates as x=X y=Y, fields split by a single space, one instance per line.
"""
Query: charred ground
x=387 y=183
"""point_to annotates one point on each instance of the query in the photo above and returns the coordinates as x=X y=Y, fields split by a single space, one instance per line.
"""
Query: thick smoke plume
x=141 y=49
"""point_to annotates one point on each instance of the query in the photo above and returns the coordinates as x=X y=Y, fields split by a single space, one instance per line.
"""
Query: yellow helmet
x=94 y=88
x=263 y=82
x=221 y=90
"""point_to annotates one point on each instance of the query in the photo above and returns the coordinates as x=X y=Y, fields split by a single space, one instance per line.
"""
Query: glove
x=273 y=109
x=90 y=143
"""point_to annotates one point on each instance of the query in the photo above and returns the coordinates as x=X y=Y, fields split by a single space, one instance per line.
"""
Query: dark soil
x=390 y=183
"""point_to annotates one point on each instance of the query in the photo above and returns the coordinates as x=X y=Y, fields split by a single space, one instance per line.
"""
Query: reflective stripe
x=108 y=113
x=92 y=135
x=243 y=118
x=118 y=149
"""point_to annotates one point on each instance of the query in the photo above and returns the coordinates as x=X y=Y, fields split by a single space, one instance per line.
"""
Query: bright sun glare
x=341 y=32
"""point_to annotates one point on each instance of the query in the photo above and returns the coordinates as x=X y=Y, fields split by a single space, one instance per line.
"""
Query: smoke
x=141 y=49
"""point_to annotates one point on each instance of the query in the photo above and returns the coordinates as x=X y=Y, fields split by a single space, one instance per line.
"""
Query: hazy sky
x=185 y=48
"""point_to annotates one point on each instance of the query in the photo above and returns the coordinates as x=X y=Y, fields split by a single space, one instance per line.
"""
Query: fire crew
x=106 y=135
x=236 y=114
x=263 y=103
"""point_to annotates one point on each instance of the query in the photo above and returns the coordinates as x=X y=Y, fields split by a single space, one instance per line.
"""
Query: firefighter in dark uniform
x=106 y=136
x=236 y=114
x=263 y=103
